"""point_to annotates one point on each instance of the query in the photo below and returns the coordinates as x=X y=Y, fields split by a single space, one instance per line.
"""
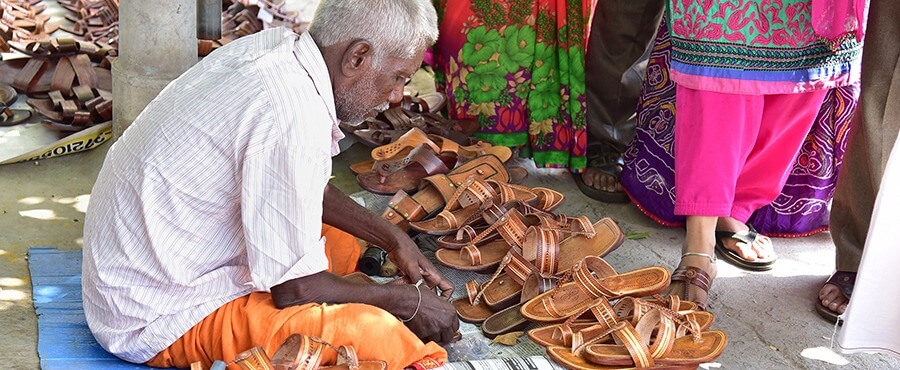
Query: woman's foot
x=739 y=244
x=693 y=278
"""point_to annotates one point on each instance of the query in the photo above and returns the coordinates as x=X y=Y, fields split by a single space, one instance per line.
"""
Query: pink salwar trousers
x=734 y=152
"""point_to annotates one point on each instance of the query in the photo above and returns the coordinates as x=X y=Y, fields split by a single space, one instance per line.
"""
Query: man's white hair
x=397 y=28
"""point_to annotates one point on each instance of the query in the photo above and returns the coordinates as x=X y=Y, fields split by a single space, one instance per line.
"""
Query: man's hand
x=413 y=264
x=433 y=318
x=342 y=212
x=436 y=318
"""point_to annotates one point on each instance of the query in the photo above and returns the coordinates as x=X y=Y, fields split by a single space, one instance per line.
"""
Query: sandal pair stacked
x=633 y=333
x=64 y=85
x=94 y=20
x=23 y=20
x=405 y=163
x=542 y=252
x=298 y=352
x=411 y=112
x=484 y=219
x=242 y=18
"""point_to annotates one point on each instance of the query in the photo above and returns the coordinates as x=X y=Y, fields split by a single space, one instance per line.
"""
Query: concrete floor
x=769 y=317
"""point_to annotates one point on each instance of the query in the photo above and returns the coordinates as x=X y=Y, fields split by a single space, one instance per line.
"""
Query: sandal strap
x=472 y=288
x=412 y=138
x=635 y=344
x=403 y=207
x=30 y=74
x=844 y=280
x=471 y=253
x=691 y=275
x=298 y=352
x=584 y=275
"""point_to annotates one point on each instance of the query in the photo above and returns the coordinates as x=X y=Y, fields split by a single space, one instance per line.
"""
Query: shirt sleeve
x=281 y=206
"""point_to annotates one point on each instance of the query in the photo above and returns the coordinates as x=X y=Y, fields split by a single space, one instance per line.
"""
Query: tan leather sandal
x=593 y=278
x=626 y=309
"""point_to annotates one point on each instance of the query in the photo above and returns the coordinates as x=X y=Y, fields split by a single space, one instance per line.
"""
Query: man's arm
x=435 y=319
x=343 y=213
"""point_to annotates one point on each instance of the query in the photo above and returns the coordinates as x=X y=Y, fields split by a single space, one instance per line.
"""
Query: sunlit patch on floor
x=11 y=282
x=40 y=214
x=825 y=355
x=12 y=295
x=30 y=201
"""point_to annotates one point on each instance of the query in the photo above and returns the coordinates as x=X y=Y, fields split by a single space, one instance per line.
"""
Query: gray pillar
x=157 y=43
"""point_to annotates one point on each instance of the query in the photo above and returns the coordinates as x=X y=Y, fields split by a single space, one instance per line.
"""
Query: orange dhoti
x=253 y=320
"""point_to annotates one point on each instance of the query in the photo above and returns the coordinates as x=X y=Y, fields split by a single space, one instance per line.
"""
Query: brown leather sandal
x=542 y=248
x=435 y=190
x=89 y=107
x=693 y=278
x=468 y=204
x=626 y=309
x=407 y=174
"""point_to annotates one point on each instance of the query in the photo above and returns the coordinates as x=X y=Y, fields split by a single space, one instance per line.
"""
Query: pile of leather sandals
x=243 y=17
x=590 y=329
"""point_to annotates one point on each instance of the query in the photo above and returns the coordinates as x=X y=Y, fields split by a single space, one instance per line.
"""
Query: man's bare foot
x=692 y=292
x=760 y=249
x=835 y=295
x=830 y=296
x=601 y=180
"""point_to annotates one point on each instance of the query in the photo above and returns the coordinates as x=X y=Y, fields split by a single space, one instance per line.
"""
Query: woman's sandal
x=626 y=309
x=38 y=76
x=694 y=278
x=593 y=278
x=750 y=236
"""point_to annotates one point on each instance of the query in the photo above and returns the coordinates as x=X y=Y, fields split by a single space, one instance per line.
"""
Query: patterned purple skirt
x=802 y=207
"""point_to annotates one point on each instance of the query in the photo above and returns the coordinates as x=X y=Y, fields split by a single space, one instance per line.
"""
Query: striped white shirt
x=214 y=192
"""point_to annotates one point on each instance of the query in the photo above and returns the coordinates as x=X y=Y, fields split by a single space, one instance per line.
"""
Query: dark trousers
x=875 y=127
x=622 y=32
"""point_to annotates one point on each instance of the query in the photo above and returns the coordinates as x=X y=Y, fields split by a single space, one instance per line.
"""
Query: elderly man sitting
x=205 y=235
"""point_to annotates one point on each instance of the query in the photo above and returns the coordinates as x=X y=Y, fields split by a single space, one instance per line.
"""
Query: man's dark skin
x=349 y=63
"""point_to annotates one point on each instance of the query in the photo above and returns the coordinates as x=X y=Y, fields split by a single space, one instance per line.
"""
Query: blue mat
x=64 y=340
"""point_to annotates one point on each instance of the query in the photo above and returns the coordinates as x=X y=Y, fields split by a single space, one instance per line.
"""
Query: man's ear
x=357 y=58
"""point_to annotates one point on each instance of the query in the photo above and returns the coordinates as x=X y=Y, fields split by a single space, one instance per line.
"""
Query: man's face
x=373 y=91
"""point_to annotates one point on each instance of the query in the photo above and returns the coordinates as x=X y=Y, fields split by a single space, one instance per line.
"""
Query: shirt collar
x=311 y=60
